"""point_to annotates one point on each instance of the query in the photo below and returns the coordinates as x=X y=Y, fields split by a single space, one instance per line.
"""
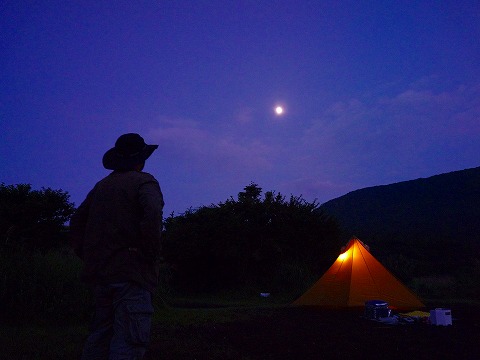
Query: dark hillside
x=434 y=221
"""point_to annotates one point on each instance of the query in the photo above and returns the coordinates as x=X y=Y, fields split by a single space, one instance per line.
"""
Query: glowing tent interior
x=356 y=277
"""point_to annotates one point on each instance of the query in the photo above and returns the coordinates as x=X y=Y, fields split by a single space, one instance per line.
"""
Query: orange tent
x=356 y=277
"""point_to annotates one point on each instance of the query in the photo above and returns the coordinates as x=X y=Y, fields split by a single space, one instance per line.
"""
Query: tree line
x=267 y=243
x=261 y=242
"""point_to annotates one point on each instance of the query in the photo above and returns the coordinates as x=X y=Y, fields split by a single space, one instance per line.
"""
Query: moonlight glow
x=279 y=110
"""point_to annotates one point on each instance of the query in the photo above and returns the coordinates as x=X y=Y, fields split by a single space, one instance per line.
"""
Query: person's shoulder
x=146 y=177
x=105 y=179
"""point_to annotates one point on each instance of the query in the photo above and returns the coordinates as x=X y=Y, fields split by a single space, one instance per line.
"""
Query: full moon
x=279 y=110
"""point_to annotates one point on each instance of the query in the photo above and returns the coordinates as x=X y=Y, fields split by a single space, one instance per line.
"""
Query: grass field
x=251 y=331
x=307 y=333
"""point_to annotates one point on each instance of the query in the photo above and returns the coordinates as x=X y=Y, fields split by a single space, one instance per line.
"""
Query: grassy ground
x=307 y=333
x=34 y=342
x=261 y=330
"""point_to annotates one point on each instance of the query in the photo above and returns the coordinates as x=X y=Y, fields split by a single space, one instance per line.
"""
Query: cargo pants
x=120 y=329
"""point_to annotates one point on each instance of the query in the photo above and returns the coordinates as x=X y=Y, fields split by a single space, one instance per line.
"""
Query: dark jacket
x=116 y=231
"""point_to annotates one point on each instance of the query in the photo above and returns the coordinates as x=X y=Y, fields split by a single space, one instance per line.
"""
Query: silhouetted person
x=116 y=232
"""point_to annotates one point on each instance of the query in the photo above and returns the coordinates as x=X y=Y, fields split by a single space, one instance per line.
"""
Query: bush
x=249 y=242
x=42 y=288
x=33 y=220
x=468 y=285
x=434 y=287
x=462 y=284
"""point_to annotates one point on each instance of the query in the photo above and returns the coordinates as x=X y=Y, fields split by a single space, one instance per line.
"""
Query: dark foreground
x=305 y=333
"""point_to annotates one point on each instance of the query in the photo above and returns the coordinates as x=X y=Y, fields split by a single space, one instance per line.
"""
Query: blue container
x=376 y=309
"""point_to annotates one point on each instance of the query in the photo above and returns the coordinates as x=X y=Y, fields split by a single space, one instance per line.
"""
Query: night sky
x=374 y=92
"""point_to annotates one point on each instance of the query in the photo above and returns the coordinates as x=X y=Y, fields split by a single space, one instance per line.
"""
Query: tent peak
x=352 y=240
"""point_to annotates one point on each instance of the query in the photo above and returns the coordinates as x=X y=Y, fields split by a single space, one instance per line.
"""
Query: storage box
x=441 y=316
x=376 y=309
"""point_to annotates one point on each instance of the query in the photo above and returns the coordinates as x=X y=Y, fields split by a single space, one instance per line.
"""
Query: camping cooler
x=376 y=309
x=440 y=317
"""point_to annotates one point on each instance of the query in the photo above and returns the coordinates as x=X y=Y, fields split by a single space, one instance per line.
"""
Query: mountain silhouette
x=433 y=221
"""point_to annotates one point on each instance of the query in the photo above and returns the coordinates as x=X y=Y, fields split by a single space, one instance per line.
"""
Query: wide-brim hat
x=130 y=150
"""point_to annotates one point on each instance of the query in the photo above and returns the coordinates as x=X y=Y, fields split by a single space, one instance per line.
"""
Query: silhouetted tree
x=249 y=241
x=33 y=219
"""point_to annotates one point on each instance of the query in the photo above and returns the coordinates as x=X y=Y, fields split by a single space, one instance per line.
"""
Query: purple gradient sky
x=375 y=93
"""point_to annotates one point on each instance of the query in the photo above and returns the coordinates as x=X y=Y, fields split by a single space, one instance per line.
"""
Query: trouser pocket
x=140 y=323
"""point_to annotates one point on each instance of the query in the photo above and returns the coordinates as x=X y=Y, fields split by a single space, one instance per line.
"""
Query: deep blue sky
x=375 y=92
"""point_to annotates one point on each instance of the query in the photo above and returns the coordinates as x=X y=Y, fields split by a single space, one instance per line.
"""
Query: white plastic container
x=441 y=316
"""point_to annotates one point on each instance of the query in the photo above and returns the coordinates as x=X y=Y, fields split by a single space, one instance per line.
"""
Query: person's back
x=120 y=243
x=116 y=231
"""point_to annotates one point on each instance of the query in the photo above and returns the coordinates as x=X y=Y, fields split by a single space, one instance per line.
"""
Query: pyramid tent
x=356 y=277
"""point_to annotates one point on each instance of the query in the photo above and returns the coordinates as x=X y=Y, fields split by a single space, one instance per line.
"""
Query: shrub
x=249 y=242
x=33 y=220
x=435 y=287
x=43 y=288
